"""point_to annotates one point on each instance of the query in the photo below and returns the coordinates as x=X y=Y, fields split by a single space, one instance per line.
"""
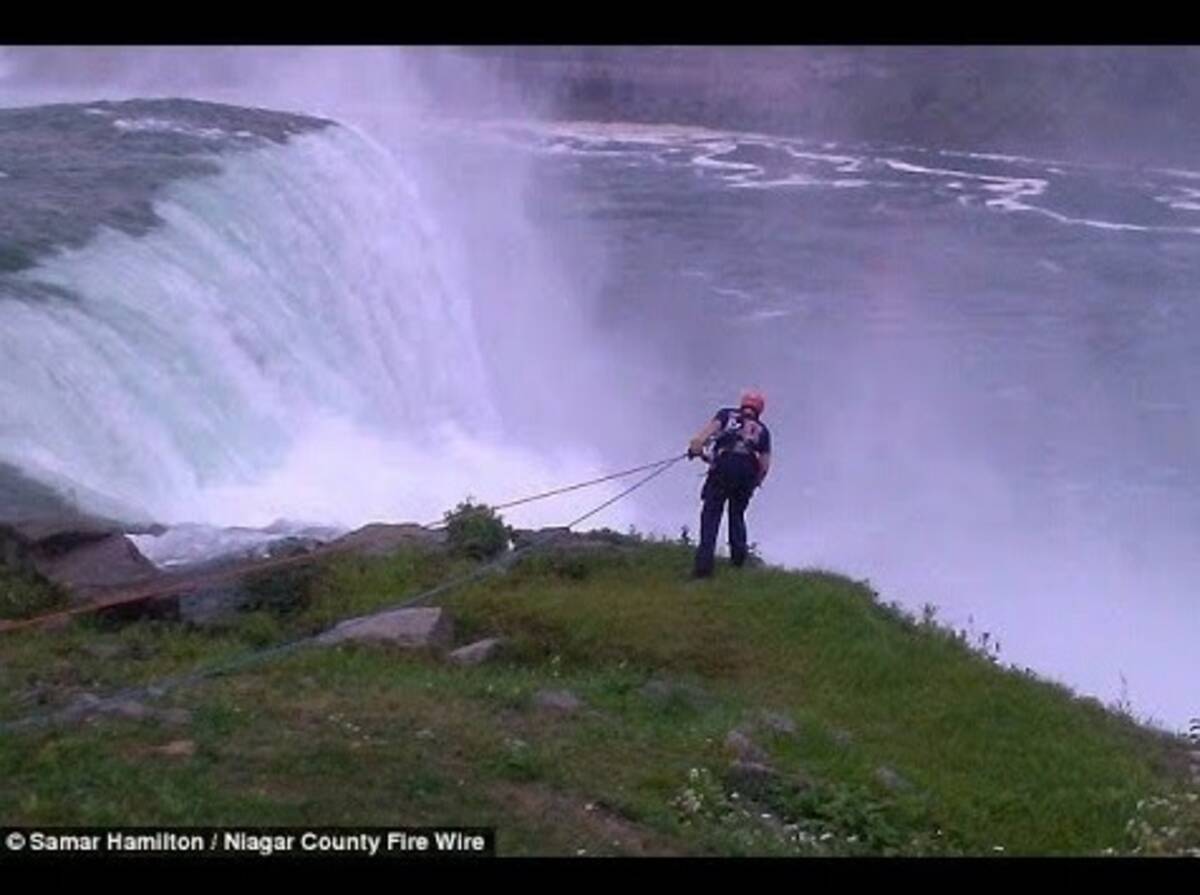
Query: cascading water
x=286 y=335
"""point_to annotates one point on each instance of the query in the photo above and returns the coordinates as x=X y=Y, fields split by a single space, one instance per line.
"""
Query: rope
x=555 y=492
x=665 y=465
x=245 y=660
x=156 y=590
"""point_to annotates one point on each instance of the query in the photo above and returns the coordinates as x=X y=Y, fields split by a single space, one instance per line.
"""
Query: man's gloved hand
x=695 y=449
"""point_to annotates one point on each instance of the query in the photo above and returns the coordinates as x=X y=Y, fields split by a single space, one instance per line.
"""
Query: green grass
x=25 y=594
x=358 y=735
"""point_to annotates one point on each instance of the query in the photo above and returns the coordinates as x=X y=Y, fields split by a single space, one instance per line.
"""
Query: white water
x=291 y=344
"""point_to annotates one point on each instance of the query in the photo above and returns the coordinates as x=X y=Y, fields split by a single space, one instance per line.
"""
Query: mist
x=549 y=385
x=970 y=417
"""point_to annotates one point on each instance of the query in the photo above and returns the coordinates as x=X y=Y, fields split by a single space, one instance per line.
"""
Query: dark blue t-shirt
x=742 y=434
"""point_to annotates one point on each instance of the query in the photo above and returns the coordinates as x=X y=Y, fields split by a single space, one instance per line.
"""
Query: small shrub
x=476 y=531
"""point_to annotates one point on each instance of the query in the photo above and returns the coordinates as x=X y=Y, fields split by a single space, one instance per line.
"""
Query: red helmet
x=754 y=400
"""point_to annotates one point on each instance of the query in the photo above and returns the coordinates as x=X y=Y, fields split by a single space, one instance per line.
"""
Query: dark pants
x=732 y=478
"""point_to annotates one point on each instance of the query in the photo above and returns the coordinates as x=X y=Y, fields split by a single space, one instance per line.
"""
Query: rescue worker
x=740 y=459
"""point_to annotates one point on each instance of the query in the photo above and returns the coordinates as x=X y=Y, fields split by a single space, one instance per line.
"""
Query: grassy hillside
x=884 y=734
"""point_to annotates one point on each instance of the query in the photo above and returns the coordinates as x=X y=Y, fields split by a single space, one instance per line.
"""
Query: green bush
x=476 y=530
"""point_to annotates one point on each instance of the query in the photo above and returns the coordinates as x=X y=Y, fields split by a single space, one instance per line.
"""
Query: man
x=741 y=457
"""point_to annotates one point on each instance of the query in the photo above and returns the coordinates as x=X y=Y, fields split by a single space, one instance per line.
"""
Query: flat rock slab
x=665 y=692
x=87 y=566
x=477 y=653
x=561 y=701
x=417 y=628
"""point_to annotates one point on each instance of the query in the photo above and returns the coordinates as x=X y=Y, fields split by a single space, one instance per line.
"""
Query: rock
x=83 y=705
x=477 y=653
x=665 y=692
x=891 y=779
x=177 y=749
x=38 y=510
x=558 y=701
x=759 y=781
x=56 y=533
x=744 y=748
x=777 y=723
x=751 y=778
x=127 y=708
x=177 y=717
x=86 y=566
x=379 y=539
x=418 y=628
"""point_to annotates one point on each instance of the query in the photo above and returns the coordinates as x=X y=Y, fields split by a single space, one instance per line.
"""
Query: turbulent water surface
x=980 y=368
